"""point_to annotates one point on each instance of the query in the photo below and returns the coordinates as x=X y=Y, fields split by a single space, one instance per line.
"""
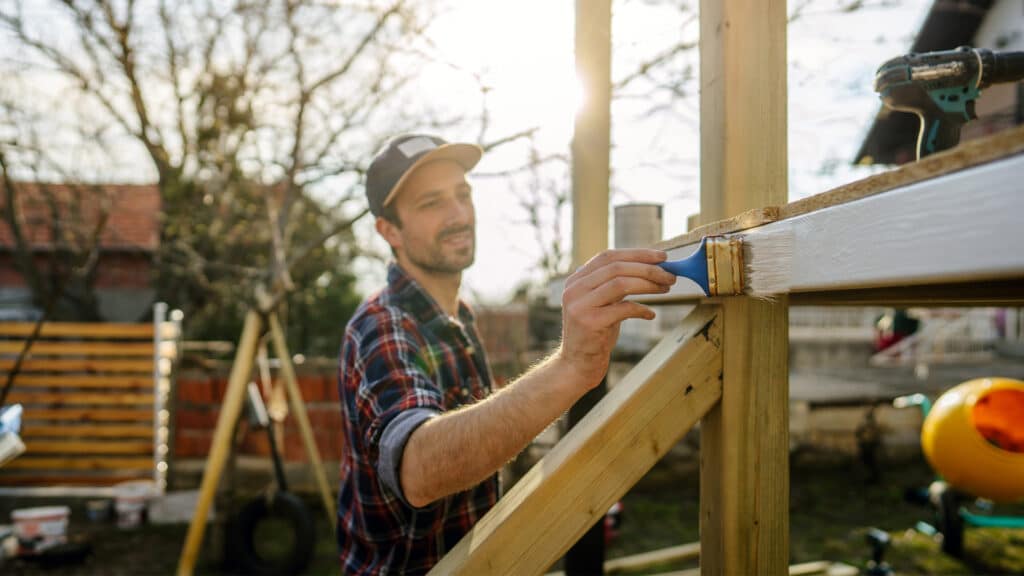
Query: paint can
x=40 y=528
x=130 y=500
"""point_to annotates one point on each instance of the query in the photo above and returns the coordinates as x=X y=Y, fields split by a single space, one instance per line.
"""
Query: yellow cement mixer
x=973 y=437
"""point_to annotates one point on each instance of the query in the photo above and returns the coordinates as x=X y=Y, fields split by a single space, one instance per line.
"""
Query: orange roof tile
x=133 y=222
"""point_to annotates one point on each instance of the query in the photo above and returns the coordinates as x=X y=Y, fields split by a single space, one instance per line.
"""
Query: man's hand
x=593 y=306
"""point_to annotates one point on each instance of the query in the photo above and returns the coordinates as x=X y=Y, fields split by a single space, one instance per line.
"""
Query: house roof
x=132 y=224
x=892 y=138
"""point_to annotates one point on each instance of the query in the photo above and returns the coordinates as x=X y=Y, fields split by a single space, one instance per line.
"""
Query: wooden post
x=591 y=151
x=298 y=410
x=744 y=440
x=230 y=408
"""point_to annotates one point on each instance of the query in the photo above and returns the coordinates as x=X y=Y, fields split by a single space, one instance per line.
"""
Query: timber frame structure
x=947 y=230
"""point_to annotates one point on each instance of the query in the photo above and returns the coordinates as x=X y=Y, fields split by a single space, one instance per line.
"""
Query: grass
x=831 y=508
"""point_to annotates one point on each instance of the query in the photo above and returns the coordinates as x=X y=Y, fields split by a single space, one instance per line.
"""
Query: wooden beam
x=86 y=447
x=645 y=560
x=36 y=431
x=591 y=141
x=230 y=409
x=87 y=381
x=80 y=348
x=639 y=420
x=956 y=228
x=79 y=330
x=86 y=415
x=744 y=487
x=298 y=410
x=66 y=398
x=744 y=439
x=89 y=463
x=81 y=365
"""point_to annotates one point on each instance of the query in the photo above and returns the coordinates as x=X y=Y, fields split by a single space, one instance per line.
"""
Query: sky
x=525 y=51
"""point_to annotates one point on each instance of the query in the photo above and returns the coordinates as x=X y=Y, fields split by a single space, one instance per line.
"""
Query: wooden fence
x=94 y=399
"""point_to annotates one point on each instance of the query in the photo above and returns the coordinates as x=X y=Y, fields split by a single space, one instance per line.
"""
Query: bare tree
x=255 y=118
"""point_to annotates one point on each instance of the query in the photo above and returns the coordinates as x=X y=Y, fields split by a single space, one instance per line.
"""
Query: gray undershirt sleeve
x=392 y=445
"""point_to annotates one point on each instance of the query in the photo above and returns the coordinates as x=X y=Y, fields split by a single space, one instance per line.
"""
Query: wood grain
x=744 y=475
x=79 y=330
x=43 y=348
x=572 y=487
x=81 y=365
x=87 y=381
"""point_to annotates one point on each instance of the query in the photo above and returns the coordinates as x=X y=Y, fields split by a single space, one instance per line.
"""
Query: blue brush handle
x=694 y=266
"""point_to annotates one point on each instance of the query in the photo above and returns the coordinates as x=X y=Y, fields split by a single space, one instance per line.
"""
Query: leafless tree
x=256 y=118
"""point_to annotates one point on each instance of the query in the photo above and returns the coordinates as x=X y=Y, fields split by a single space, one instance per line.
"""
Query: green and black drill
x=941 y=87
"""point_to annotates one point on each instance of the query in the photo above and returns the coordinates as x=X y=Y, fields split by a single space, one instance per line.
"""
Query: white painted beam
x=968 y=225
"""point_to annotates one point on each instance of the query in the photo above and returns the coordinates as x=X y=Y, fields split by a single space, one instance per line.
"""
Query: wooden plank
x=54 y=480
x=33 y=447
x=80 y=348
x=298 y=410
x=79 y=330
x=80 y=365
x=645 y=560
x=967 y=155
x=26 y=462
x=614 y=445
x=745 y=446
x=32 y=431
x=970 y=232
x=69 y=398
x=51 y=381
x=749 y=219
x=1008 y=293
x=744 y=521
x=231 y=407
x=87 y=415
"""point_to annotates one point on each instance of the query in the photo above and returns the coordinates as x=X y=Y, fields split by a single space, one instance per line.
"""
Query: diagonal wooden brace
x=601 y=458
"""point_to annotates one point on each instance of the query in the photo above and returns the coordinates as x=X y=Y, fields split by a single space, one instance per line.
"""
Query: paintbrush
x=757 y=263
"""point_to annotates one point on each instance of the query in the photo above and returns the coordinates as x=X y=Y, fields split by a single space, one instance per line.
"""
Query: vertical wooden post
x=591 y=141
x=301 y=418
x=230 y=408
x=591 y=152
x=745 y=439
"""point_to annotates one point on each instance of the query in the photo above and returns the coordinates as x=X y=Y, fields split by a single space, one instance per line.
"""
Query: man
x=425 y=434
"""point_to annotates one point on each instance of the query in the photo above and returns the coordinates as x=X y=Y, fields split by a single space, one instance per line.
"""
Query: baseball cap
x=403 y=154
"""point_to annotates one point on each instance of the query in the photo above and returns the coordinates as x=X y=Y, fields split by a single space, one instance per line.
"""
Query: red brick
x=311 y=387
x=196 y=418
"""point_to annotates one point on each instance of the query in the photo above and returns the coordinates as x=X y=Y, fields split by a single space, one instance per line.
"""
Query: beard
x=440 y=258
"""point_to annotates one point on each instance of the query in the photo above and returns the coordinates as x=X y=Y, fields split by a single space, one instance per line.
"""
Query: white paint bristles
x=768 y=262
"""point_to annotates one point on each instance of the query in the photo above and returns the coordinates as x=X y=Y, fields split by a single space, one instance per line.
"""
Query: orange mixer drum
x=974 y=437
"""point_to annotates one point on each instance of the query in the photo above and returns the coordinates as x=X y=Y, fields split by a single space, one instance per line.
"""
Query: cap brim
x=466 y=155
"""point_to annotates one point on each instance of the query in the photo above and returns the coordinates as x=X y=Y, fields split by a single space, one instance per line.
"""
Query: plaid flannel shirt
x=402 y=362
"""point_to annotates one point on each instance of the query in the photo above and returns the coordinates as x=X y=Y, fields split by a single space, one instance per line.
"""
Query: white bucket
x=40 y=528
x=130 y=502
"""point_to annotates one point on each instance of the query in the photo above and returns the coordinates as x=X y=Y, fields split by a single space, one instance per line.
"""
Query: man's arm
x=459 y=449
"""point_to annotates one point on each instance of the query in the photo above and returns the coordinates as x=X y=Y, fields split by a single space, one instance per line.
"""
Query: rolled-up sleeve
x=397 y=392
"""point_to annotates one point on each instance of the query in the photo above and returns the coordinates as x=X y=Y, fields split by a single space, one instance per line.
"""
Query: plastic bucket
x=40 y=528
x=130 y=502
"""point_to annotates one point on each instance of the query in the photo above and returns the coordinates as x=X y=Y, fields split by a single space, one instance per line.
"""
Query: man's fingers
x=623 y=269
x=618 y=288
x=612 y=315
x=642 y=255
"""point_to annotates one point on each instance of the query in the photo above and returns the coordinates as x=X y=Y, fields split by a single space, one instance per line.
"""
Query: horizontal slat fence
x=91 y=401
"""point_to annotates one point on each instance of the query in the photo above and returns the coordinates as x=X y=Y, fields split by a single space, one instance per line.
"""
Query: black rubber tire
x=287 y=507
x=950 y=523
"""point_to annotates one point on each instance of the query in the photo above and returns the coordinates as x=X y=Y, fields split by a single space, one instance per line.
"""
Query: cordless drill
x=941 y=87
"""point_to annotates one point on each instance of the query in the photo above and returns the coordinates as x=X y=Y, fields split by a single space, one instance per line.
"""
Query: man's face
x=437 y=222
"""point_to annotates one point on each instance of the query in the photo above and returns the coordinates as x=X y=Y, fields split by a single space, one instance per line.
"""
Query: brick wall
x=197 y=407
